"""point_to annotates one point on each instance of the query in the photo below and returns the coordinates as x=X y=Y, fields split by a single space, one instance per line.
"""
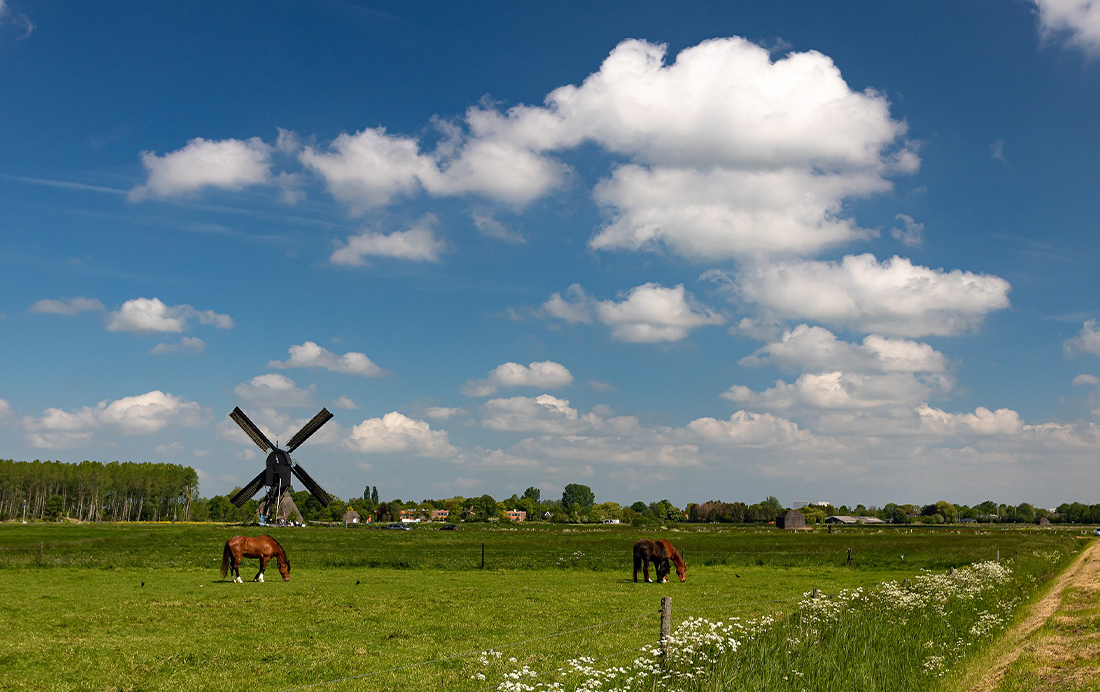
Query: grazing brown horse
x=660 y=552
x=263 y=547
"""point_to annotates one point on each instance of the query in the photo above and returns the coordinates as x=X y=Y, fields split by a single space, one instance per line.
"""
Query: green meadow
x=370 y=609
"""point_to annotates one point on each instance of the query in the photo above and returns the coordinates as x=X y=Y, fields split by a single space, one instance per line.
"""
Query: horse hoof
x=261 y=579
x=648 y=581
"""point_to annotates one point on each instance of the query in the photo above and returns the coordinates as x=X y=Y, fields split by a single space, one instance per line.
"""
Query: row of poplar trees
x=94 y=491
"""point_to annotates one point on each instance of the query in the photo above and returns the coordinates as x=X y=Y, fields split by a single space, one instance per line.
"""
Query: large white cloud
x=147 y=315
x=229 y=164
x=274 y=391
x=310 y=355
x=649 y=313
x=1077 y=20
x=732 y=154
x=545 y=374
x=728 y=154
x=395 y=432
x=894 y=297
x=143 y=414
x=418 y=244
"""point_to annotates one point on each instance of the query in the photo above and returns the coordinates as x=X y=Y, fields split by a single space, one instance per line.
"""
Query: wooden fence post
x=815 y=594
x=666 y=623
x=41 y=548
x=849 y=557
x=998 y=556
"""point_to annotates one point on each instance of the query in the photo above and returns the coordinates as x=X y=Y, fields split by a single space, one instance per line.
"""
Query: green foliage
x=576 y=497
x=533 y=494
x=94 y=491
x=55 y=507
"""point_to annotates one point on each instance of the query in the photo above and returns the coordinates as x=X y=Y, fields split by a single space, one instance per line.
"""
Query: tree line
x=95 y=491
x=132 y=491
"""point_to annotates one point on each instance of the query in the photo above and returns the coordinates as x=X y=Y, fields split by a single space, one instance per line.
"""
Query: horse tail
x=227 y=555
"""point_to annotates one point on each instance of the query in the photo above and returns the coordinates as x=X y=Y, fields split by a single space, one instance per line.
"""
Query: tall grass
x=893 y=637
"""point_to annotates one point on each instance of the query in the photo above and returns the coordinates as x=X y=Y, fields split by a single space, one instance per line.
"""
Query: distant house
x=411 y=516
x=351 y=517
x=611 y=521
x=440 y=514
x=1043 y=521
x=790 y=520
x=516 y=515
x=852 y=521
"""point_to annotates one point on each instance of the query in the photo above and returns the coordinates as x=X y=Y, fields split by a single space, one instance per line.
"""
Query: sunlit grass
x=78 y=617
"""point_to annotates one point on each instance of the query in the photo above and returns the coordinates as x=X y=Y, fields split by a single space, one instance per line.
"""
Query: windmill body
x=276 y=477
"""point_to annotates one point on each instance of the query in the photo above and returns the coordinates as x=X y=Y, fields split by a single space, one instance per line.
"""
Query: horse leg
x=647 y=579
x=237 y=569
x=263 y=565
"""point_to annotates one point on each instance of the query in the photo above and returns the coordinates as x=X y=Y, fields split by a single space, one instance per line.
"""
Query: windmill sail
x=311 y=485
x=308 y=429
x=251 y=430
x=249 y=490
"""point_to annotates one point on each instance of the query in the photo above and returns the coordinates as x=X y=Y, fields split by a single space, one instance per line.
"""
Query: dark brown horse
x=263 y=547
x=661 y=553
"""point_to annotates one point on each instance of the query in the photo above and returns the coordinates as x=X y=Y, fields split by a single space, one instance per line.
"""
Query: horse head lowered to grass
x=262 y=547
x=661 y=553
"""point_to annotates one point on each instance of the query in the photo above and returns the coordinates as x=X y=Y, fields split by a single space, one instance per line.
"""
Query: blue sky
x=836 y=252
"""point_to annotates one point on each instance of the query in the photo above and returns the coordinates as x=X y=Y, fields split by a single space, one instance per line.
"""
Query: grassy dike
x=75 y=616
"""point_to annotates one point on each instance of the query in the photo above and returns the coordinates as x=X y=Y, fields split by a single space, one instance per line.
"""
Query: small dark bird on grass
x=143 y=583
x=357 y=582
x=737 y=575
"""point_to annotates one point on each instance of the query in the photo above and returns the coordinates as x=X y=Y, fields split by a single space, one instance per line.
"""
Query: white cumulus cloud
x=1078 y=21
x=275 y=391
x=545 y=375
x=894 y=297
x=818 y=349
x=751 y=430
x=1086 y=341
x=418 y=244
x=649 y=313
x=142 y=414
x=395 y=432
x=229 y=164
x=147 y=315
x=310 y=355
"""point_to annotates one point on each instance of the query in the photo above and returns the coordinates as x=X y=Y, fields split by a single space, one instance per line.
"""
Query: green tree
x=55 y=507
x=374 y=495
x=533 y=494
x=579 y=497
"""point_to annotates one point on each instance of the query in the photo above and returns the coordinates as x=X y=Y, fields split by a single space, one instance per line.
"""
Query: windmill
x=279 y=466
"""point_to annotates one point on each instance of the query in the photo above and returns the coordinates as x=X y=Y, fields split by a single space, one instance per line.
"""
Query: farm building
x=852 y=521
x=517 y=515
x=440 y=514
x=1043 y=521
x=351 y=516
x=790 y=520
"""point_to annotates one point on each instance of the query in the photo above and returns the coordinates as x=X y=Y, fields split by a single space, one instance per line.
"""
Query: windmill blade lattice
x=251 y=430
x=249 y=490
x=308 y=429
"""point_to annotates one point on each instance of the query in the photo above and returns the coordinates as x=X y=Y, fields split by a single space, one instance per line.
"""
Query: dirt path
x=1083 y=573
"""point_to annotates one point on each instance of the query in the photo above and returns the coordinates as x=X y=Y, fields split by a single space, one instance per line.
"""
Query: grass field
x=75 y=616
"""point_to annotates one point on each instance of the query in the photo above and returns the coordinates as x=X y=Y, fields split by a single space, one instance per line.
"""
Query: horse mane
x=283 y=552
x=673 y=554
